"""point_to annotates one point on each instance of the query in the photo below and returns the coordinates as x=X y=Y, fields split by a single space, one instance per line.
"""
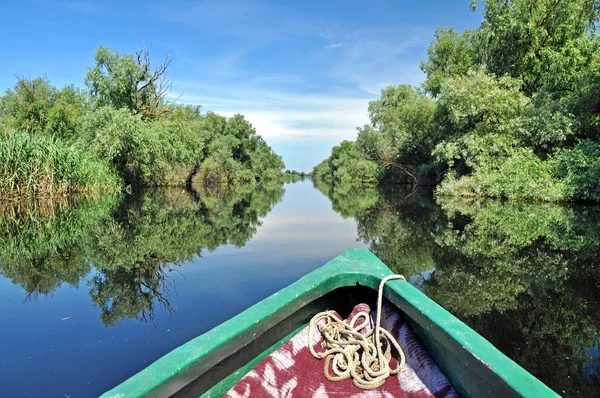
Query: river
x=93 y=290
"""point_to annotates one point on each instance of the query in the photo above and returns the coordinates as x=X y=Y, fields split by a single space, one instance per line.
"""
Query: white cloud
x=323 y=94
x=374 y=59
x=277 y=114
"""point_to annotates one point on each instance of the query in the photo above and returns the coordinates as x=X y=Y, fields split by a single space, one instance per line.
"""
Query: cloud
x=283 y=115
x=373 y=59
x=292 y=76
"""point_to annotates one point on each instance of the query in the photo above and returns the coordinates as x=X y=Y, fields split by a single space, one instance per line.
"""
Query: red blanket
x=291 y=370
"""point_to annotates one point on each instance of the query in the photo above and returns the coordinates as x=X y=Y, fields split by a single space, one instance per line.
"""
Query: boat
x=215 y=362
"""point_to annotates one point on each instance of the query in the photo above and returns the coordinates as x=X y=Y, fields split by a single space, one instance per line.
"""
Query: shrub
x=579 y=168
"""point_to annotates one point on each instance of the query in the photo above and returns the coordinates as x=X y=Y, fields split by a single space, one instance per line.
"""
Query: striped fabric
x=291 y=370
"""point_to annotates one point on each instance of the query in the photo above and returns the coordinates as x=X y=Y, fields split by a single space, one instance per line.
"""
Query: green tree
x=35 y=106
x=128 y=81
x=546 y=43
x=450 y=54
x=402 y=117
x=478 y=115
x=64 y=116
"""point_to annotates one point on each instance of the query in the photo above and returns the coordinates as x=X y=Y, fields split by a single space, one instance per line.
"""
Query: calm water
x=92 y=291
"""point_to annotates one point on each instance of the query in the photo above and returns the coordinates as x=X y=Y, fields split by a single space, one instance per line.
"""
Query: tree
x=128 y=81
x=26 y=106
x=36 y=106
x=450 y=54
x=477 y=115
x=68 y=105
x=546 y=43
x=403 y=117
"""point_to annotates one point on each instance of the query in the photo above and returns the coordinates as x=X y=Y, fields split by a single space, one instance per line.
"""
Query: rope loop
x=352 y=352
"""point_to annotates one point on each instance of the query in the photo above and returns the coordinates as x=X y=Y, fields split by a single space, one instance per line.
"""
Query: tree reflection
x=133 y=243
x=149 y=236
x=524 y=275
x=40 y=242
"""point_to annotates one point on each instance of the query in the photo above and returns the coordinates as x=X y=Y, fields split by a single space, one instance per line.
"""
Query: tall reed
x=36 y=165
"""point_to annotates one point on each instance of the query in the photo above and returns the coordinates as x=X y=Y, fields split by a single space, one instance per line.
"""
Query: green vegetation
x=524 y=275
x=31 y=165
x=132 y=241
x=508 y=110
x=296 y=173
x=294 y=176
x=122 y=128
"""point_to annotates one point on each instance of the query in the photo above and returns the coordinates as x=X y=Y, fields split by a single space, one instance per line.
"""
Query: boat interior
x=468 y=375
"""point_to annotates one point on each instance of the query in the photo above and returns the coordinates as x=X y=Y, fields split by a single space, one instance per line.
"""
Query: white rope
x=353 y=354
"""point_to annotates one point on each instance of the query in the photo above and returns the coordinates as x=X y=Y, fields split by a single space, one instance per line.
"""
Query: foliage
x=32 y=165
x=524 y=275
x=133 y=242
x=402 y=118
x=478 y=116
x=235 y=153
x=546 y=43
x=347 y=165
x=35 y=106
x=511 y=111
x=131 y=146
x=450 y=54
x=128 y=81
x=579 y=169
x=397 y=142
x=123 y=126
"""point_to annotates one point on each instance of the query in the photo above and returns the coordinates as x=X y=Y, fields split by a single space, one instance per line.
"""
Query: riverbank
x=122 y=131
x=507 y=110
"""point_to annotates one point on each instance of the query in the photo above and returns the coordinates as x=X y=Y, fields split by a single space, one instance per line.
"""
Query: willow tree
x=450 y=54
x=130 y=81
x=546 y=43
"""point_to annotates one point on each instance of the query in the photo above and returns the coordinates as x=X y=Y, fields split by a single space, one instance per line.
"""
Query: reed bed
x=36 y=165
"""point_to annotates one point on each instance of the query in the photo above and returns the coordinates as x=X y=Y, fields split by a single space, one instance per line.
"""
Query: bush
x=133 y=147
x=522 y=176
x=525 y=176
x=579 y=168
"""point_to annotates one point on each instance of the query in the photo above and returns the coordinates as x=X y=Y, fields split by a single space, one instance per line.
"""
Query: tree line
x=510 y=109
x=122 y=130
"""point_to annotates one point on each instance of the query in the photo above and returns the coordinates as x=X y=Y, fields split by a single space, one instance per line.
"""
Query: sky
x=302 y=72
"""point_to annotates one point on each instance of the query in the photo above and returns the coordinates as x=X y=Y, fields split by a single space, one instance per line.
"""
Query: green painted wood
x=225 y=385
x=474 y=366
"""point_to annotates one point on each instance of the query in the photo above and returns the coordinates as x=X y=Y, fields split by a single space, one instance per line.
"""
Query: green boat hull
x=212 y=363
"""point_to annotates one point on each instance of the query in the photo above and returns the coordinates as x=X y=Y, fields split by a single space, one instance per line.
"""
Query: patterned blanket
x=291 y=370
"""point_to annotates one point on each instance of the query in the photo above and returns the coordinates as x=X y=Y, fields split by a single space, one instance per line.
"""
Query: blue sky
x=302 y=72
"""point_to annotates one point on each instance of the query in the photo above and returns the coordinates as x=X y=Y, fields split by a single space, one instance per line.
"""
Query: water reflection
x=130 y=245
x=524 y=275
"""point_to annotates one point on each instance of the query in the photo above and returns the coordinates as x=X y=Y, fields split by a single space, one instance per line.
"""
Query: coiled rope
x=352 y=353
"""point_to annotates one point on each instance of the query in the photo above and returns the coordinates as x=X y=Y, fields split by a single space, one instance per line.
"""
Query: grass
x=38 y=166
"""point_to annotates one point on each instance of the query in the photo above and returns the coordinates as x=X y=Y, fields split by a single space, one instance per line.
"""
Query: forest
x=121 y=132
x=510 y=110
